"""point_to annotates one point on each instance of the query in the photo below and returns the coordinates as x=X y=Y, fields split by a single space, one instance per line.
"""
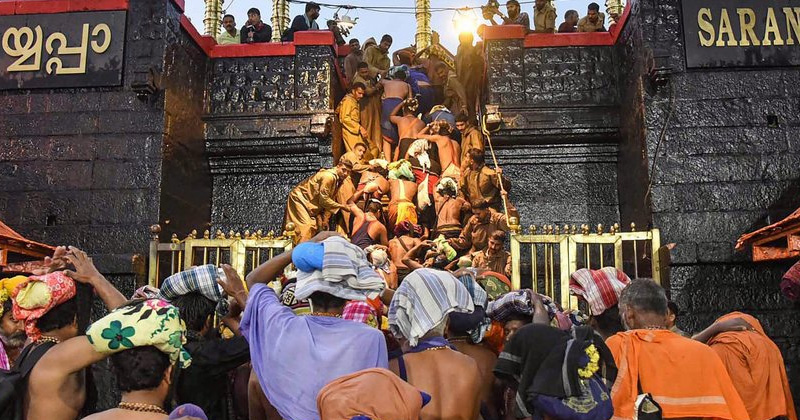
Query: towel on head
x=346 y=273
x=7 y=287
x=423 y=300
x=600 y=288
x=37 y=295
x=151 y=322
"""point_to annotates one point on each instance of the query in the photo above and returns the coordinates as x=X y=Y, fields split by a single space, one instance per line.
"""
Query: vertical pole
x=423 y=14
x=213 y=17
x=280 y=19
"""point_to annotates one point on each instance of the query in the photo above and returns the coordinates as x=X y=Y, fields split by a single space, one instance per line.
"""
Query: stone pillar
x=280 y=18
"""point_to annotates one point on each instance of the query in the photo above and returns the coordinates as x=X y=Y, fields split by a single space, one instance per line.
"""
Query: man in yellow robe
x=370 y=110
x=349 y=117
x=377 y=56
x=310 y=200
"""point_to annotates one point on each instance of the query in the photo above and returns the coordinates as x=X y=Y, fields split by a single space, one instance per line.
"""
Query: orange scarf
x=756 y=368
x=684 y=376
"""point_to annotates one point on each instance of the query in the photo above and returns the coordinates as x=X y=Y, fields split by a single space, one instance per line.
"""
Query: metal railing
x=556 y=252
x=244 y=252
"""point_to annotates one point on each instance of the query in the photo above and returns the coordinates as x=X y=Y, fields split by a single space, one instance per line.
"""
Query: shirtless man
x=451 y=378
x=406 y=237
x=395 y=91
x=448 y=154
x=450 y=209
x=367 y=228
x=50 y=396
x=485 y=358
x=403 y=189
x=408 y=126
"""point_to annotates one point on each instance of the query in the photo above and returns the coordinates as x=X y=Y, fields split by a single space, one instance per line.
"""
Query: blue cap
x=307 y=256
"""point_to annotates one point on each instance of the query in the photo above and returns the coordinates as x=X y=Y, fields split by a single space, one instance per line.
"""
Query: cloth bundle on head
x=790 y=284
x=355 y=395
x=519 y=302
x=7 y=287
x=440 y=112
x=401 y=169
x=392 y=73
x=308 y=256
x=494 y=283
x=201 y=279
x=423 y=300
x=546 y=361
x=383 y=163
x=475 y=324
x=37 y=295
x=444 y=247
x=447 y=183
x=419 y=149
x=346 y=273
x=362 y=312
x=406 y=227
x=151 y=322
x=600 y=288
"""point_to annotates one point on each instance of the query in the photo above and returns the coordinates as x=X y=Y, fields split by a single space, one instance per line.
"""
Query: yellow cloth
x=7 y=287
x=471 y=138
x=585 y=26
x=406 y=211
x=378 y=60
x=152 y=322
x=35 y=295
x=756 y=368
x=371 y=116
x=310 y=199
x=350 y=119
x=544 y=20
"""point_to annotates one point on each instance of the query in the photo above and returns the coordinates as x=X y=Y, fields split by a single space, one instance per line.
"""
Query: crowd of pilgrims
x=317 y=332
x=394 y=304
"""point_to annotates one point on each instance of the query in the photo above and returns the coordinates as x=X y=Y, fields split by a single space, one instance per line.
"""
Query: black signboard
x=741 y=33
x=61 y=50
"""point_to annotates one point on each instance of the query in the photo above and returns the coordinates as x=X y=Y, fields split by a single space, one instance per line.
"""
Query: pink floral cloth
x=29 y=308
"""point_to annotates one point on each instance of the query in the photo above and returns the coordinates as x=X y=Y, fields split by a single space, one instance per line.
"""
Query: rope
x=496 y=166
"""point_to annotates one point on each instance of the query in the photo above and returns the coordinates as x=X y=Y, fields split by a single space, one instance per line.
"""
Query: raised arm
x=733 y=324
x=409 y=257
x=273 y=267
x=393 y=117
x=353 y=207
x=86 y=272
x=233 y=285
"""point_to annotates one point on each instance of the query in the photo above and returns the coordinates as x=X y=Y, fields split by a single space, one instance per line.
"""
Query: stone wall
x=558 y=140
x=727 y=164
x=265 y=132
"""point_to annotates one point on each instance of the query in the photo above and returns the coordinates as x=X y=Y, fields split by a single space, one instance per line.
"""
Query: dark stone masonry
x=199 y=136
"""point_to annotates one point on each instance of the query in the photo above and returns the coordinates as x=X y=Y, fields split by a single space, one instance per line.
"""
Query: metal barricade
x=244 y=252
x=556 y=252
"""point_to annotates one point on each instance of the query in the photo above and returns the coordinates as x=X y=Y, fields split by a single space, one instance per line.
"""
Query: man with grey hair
x=684 y=378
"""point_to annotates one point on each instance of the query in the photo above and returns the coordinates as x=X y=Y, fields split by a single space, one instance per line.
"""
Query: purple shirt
x=295 y=356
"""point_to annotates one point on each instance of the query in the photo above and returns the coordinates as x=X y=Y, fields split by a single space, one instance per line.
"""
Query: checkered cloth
x=360 y=312
x=201 y=279
x=345 y=273
x=600 y=288
x=479 y=296
x=518 y=302
x=423 y=300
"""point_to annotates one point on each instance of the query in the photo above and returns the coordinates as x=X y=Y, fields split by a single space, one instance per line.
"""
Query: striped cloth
x=345 y=273
x=600 y=288
x=4 y=362
x=479 y=296
x=423 y=300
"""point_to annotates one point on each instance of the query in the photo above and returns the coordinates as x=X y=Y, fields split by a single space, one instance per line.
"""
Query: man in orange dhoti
x=754 y=364
x=686 y=378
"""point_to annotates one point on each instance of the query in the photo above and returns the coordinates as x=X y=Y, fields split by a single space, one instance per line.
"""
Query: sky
x=374 y=24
